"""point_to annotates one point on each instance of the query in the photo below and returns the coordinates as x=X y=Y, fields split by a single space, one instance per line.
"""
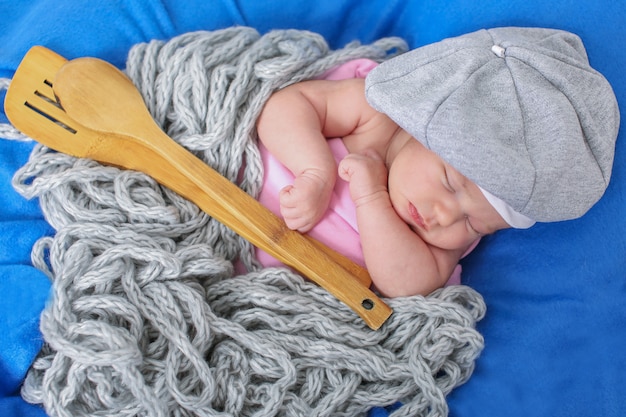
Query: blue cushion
x=555 y=329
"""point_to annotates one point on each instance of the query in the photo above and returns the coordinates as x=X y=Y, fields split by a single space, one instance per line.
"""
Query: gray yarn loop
x=147 y=317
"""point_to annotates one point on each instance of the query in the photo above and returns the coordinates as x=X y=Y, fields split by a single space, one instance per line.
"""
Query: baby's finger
x=288 y=196
x=349 y=165
x=297 y=222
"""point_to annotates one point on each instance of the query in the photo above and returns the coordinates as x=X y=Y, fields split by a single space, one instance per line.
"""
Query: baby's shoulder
x=374 y=131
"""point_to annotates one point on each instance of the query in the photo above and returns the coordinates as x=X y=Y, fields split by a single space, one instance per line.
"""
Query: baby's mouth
x=417 y=218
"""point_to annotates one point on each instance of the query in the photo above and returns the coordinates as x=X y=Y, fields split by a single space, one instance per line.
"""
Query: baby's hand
x=367 y=174
x=304 y=203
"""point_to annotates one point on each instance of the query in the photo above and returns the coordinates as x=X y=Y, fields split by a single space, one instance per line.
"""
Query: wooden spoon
x=103 y=100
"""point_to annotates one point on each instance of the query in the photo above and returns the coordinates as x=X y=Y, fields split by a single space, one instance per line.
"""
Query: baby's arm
x=294 y=125
x=398 y=260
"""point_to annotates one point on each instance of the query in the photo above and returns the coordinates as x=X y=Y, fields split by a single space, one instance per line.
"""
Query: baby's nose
x=448 y=212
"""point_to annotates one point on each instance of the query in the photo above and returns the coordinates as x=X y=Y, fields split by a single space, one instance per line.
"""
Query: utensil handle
x=173 y=166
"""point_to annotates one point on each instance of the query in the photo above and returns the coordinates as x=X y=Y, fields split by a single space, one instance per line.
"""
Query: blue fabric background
x=555 y=330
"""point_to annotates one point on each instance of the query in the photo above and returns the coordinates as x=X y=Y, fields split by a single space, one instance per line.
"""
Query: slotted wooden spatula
x=88 y=108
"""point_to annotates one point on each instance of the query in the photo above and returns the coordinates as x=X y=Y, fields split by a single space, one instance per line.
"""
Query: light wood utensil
x=88 y=108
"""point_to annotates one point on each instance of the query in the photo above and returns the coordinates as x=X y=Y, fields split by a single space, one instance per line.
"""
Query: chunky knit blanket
x=147 y=318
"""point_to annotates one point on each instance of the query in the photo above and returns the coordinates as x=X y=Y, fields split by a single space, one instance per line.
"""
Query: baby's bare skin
x=416 y=214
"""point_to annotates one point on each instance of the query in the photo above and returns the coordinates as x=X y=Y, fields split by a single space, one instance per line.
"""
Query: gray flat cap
x=519 y=111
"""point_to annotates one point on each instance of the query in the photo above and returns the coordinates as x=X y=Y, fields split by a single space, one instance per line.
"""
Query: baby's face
x=442 y=206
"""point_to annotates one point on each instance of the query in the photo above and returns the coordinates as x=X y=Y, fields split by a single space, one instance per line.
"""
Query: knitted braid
x=146 y=317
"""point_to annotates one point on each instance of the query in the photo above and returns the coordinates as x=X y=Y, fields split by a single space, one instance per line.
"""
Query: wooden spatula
x=88 y=108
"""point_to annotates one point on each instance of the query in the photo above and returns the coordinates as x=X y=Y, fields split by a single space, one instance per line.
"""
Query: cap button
x=498 y=50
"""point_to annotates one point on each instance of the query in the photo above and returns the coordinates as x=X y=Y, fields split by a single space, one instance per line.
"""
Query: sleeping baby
x=403 y=166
